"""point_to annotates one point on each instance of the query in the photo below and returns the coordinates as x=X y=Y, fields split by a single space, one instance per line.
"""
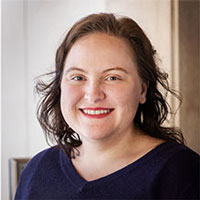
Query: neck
x=109 y=148
x=112 y=154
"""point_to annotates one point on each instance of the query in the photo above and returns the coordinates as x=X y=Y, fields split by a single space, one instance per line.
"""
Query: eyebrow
x=107 y=70
x=116 y=68
x=75 y=69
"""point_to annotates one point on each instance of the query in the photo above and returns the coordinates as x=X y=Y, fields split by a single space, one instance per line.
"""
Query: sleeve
x=179 y=179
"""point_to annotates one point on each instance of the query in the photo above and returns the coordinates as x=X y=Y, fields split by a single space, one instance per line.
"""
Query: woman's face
x=100 y=87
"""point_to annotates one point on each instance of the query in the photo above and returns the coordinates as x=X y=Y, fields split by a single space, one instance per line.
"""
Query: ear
x=144 y=89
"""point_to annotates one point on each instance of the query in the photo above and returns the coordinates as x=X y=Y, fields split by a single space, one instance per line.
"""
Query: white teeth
x=95 y=112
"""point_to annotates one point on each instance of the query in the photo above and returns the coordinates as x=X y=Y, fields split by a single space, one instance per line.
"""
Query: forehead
x=100 y=49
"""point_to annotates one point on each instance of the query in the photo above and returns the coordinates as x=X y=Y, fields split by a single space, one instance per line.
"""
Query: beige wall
x=189 y=70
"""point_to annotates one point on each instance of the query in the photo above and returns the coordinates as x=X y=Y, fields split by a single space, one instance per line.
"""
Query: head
x=150 y=113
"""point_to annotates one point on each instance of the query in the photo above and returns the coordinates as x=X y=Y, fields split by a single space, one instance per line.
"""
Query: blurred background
x=31 y=33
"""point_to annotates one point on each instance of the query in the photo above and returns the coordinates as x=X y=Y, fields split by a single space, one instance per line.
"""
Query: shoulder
x=179 y=176
x=178 y=158
x=173 y=152
x=36 y=171
x=184 y=164
x=182 y=156
x=41 y=164
x=43 y=158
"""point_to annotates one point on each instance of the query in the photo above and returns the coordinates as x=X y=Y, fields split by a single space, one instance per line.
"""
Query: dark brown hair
x=150 y=115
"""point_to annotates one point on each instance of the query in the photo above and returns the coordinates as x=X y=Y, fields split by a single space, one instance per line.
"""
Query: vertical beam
x=175 y=57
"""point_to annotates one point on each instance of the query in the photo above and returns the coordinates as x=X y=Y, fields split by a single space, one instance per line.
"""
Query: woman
x=105 y=112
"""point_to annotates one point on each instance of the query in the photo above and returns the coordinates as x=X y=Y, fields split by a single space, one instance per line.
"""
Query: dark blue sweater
x=170 y=171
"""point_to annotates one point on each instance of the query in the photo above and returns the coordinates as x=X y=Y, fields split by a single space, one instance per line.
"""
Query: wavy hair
x=150 y=116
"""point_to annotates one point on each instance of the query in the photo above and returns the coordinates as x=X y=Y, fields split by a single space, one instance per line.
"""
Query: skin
x=101 y=71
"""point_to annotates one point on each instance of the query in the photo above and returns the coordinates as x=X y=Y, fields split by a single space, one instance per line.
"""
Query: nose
x=94 y=93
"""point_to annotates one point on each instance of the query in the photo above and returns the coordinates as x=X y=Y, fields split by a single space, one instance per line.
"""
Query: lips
x=97 y=112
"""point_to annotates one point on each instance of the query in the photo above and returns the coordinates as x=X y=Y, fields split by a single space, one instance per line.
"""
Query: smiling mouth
x=96 y=112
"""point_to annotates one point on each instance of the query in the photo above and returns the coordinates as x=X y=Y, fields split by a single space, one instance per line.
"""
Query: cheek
x=69 y=97
x=125 y=97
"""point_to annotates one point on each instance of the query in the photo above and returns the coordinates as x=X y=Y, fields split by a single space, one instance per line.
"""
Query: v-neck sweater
x=169 y=171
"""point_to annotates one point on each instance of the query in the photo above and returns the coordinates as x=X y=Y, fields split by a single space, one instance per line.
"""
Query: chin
x=94 y=135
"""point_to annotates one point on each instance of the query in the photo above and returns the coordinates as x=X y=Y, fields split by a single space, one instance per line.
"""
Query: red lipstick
x=97 y=112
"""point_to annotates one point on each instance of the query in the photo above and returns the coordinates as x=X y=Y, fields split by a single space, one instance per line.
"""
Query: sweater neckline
x=78 y=181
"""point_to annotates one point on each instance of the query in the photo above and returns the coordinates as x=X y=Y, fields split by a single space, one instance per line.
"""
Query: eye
x=77 y=78
x=113 y=78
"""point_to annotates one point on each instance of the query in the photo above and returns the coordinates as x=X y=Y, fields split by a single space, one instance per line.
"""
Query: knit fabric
x=170 y=171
